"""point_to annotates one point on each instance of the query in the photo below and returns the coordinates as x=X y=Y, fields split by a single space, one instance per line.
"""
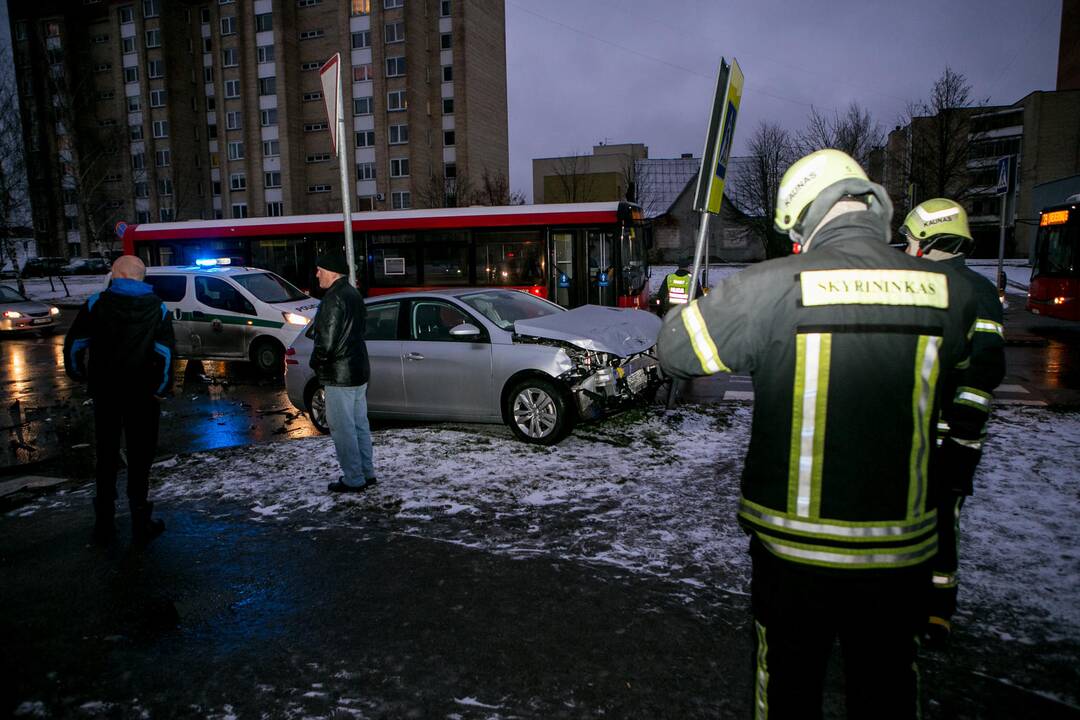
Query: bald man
x=121 y=344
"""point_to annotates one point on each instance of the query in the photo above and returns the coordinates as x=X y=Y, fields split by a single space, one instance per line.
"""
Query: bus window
x=288 y=257
x=393 y=261
x=602 y=268
x=509 y=258
x=446 y=260
x=563 y=244
x=632 y=252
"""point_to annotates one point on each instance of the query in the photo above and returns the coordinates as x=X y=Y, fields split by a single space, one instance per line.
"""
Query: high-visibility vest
x=678 y=289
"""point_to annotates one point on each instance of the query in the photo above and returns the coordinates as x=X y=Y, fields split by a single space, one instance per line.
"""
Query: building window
x=166 y=214
x=450 y=170
x=268 y=86
x=164 y=186
x=150 y=8
x=208 y=74
x=161 y=128
x=230 y=57
x=272 y=179
x=271 y=148
x=318 y=188
x=225 y=2
x=228 y=25
x=311 y=34
x=127 y=15
x=236 y=150
x=309 y=66
x=239 y=210
x=238 y=181
x=102 y=67
x=232 y=88
x=207 y=45
x=395 y=66
x=127 y=45
x=365 y=171
x=361 y=39
x=276 y=208
x=307 y=3
x=106 y=95
x=157 y=98
x=204 y=15
x=142 y=216
x=314 y=127
x=360 y=7
x=264 y=53
x=318 y=157
x=20 y=29
x=163 y=158
x=388 y=4
x=445 y=41
x=362 y=105
x=268 y=117
x=153 y=38
x=155 y=69
x=448 y=73
x=444 y=8
x=399 y=167
x=399 y=134
x=211 y=131
x=233 y=120
x=215 y=188
x=312 y=96
x=142 y=189
x=448 y=138
x=448 y=106
x=360 y=73
x=396 y=100
x=135 y=132
x=365 y=138
x=401 y=200
x=394 y=32
x=131 y=74
x=264 y=22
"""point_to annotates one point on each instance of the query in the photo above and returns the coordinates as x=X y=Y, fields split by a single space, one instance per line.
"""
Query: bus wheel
x=315 y=399
x=538 y=411
x=268 y=356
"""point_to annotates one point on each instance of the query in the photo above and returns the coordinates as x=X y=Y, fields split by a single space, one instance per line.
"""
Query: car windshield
x=504 y=307
x=269 y=288
x=9 y=295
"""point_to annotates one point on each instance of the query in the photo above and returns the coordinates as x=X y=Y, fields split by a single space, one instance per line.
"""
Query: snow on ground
x=79 y=288
x=655 y=492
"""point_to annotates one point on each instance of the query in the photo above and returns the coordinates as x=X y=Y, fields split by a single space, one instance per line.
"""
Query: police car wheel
x=316 y=404
x=268 y=356
x=538 y=411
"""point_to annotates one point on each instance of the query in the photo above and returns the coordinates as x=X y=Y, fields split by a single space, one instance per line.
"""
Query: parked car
x=493 y=355
x=17 y=312
x=232 y=313
x=86 y=266
x=43 y=267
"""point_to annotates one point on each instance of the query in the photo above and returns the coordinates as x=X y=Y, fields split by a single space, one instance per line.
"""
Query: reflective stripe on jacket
x=678 y=289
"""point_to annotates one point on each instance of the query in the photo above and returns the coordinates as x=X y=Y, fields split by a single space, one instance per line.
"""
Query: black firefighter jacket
x=847 y=346
x=339 y=355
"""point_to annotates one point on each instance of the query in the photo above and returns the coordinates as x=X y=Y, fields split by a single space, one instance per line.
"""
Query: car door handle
x=413 y=356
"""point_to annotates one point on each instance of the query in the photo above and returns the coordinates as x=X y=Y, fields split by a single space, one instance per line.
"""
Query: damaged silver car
x=496 y=355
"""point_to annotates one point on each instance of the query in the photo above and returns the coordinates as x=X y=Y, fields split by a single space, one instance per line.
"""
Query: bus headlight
x=295 y=319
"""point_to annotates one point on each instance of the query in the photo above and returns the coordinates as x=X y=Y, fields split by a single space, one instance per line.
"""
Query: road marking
x=1012 y=389
x=738 y=395
x=1018 y=401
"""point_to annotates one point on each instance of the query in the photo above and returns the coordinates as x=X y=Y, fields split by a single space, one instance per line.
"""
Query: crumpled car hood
x=619 y=331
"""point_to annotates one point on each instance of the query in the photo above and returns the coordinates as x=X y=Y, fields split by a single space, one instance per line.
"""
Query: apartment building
x=162 y=110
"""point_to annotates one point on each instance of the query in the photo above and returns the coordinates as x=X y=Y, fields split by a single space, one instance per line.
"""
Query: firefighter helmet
x=938 y=224
x=812 y=185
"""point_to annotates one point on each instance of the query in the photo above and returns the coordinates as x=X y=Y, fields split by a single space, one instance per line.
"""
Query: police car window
x=220 y=295
x=269 y=288
x=382 y=320
x=170 y=288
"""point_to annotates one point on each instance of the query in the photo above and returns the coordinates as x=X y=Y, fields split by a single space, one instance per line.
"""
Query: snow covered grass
x=655 y=492
x=79 y=288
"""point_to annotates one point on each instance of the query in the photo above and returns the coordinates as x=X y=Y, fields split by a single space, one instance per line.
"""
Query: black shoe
x=143 y=529
x=340 y=487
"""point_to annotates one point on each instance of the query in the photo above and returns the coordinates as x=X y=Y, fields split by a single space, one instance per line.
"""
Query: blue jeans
x=346 y=414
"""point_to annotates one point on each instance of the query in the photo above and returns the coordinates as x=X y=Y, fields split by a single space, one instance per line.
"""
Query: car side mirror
x=465 y=330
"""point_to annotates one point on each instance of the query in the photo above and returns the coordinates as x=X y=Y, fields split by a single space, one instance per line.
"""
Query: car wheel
x=538 y=411
x=268 y=356
x=316 y=404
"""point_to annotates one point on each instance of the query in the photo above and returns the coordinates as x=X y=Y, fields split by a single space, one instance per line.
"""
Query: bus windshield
x=269 y=288
x=1057 y=251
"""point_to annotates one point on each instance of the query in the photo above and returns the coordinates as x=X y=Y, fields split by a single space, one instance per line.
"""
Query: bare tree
x=445 y=192
x=14 y=192
x=494 y=189
x=573 y=178
x=855 y=132
x=772 y=149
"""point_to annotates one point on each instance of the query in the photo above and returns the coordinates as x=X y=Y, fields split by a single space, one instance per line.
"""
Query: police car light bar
x=211 y=262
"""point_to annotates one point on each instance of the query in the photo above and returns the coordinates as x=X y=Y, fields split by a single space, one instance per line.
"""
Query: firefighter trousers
x=943 y=586
x=799 y=612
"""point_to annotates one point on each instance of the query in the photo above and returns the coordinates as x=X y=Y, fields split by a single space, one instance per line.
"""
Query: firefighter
x=846 y=342
x=938 y=230
x=675 y=291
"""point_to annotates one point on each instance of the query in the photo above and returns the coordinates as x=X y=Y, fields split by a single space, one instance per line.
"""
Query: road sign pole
x=346 y=205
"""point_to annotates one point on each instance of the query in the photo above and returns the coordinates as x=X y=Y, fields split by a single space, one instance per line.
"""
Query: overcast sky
x=584 y=71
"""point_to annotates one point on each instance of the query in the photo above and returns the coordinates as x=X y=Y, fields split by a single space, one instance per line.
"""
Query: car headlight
x=12 y=314
x=295 y=319
x=54 y=311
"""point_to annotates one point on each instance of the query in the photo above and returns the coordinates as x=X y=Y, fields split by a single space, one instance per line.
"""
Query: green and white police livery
x=224 y=312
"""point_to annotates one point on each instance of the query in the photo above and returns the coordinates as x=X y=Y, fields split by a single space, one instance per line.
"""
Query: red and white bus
x=1055 y=274
x=573 y=254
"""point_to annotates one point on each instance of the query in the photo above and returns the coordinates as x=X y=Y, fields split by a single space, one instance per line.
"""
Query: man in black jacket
x=340 y=361
x=122 y=343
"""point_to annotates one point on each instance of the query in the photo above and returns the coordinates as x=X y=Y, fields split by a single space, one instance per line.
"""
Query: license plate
x=636 y=380
x=41 y=321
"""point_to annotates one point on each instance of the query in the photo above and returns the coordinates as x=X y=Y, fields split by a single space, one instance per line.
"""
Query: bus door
x=564 y=291
x=602 y=269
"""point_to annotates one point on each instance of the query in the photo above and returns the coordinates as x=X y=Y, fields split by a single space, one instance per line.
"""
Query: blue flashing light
x=211 y=262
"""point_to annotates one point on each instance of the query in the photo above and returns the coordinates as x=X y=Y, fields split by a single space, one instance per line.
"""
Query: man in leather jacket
x=340 y=361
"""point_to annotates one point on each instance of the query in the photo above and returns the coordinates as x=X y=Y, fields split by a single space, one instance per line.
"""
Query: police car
x=225 y=312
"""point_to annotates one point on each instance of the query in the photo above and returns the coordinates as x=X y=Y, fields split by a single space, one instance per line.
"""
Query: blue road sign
x=1002 y=185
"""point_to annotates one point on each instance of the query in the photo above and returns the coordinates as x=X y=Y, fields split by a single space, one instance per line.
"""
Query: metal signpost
x=1006 y=171
x=330 y=75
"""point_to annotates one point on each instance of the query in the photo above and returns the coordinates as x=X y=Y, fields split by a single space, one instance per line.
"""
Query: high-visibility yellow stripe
x=808 y=423
x=874 y=287
x=869 y=558
x=926 y=372
x=701 y=341
x=761 y=675
x=973 y=397
x=847 y=531
x=989 y=326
